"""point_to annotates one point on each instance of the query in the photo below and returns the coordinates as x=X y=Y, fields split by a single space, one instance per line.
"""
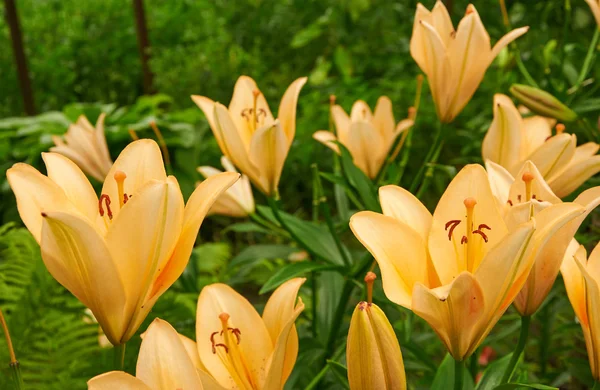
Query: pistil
x=120 y=177
x=470 y=247
x=527 y=178
x=230 y=354
x=369 y=280
x=255 y=95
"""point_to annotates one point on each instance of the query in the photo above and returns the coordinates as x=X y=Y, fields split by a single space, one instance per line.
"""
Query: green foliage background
x=87 y=52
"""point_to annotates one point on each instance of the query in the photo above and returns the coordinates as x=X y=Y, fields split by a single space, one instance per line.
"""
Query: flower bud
x=542 y=103
x=372 y=351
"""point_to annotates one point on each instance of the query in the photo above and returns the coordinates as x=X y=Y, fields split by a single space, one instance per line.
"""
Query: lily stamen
x=255 y=95
x=452 y=225
x=470 y=206
x=369 y=280
x=106 y=200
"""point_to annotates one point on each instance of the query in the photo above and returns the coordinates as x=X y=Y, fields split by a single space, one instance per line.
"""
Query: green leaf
x=444 y=377
x=510 y=386
x=261 y=252
x=492 y=376
x=358 y=180
x=291 y=271
x=246 y=227
x=340 y=372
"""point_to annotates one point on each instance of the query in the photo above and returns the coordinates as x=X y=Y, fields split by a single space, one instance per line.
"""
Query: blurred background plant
x=354 y=49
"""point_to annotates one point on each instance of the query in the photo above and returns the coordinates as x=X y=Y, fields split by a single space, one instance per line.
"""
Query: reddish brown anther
x=106 y=200
x=463 y=240
x=452 y=225
x=482 y=234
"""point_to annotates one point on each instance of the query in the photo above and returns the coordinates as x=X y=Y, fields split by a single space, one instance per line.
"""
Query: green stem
x=119 y=356
x=429 y=173
x=586 y=63
x=14 y=363
x=313 y=289
x=596 y=386
x=317 y=378
x=459 y=374
x=510 y=369
x=430 y=154
x=268 y=225
x=405 y=157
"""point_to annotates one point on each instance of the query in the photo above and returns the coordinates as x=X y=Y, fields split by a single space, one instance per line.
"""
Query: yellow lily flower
x=368 y=136
x=512 y=140
x=118 y=253
x=582 y=281
x=523 y=198
x=247 y=133
x=454 y=61
x=460 y=268
x=166 y=361
x=86 y=146
x=595 y=7
x=237 y=201
x=372 y=350
x=240 y=349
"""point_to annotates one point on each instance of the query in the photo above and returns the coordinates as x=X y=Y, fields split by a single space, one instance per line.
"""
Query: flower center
x=105 y=200
x=253 y=115
x=529 y=195
x=468 y=240
x=226 y=345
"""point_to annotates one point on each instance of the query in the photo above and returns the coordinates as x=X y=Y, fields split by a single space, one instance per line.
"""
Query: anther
x=220 y=345
x=452 y=225
x=106 y=200
x=463 y=240
x=369 y=280
x=484 y=226
x=509 y=202
x=482 y=234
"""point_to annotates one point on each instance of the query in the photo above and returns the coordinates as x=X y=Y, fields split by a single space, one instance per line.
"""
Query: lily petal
x=328 y=139
x=287 y=108
x=453 y=311
x=418 y=41
x=366 y=146
x=73 y=182
x=399 y=250
x=342 y=123
x=255 y=342
x=400 y=204
x=552 y=157
x=141 y=161
x=78 y=258
x=502 y=142
x=383 y=119
x=500 y=180
x=243 y=99
x=574 y=176
x=35 y=193
x=279 y=317
x=268 y=150
x=163 y=362
x=116 y=380
x=208 y=108
x=539 y=188
x=536 y=130
x=506 y=40
x=595 y=8
x=573 y=279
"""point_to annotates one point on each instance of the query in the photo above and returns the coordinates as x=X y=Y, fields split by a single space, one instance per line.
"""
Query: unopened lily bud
x=542 y=103
x=372 y=352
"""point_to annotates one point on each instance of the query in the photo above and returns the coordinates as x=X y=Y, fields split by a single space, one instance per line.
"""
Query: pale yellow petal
x=418 y=41
x=342 y=123
x=78 y=258
x=255 y=343
x=399 y=250
x=81 y=161
x=501 y=276
x=287 y=108
x=383 y=119
x=400 y=204
x=453 y=311
x=196 y=209
x=141 y=161
x=548 y=245
x=552 y=157
x=372 y=351
x=367 y=147
x=536 y=130
x=440 y=20
x=105 y=160
x=233 y=146
x=192 y=350
x=506 y=40
x=574 y=176
x=440 y=73
x=35 y=193
x=116 y=380
x=268 y=150
x=502 y=142
x=208 y=108
x=540 y=190
x=500 y=180
x=573 y=279
x=328 y=139
x=163 y=362
x=446 y=250
x=361 y=112
x=73 y=182
x=242 y=108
